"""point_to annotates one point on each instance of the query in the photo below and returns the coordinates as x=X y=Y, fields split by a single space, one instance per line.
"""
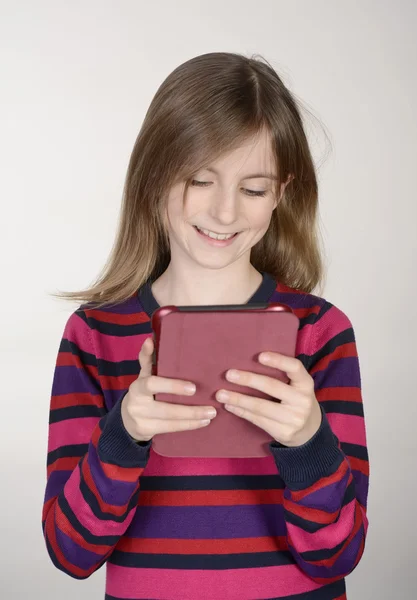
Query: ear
x=282 y=189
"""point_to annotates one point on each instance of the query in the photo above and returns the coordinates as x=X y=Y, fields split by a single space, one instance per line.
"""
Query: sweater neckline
x=263 y=294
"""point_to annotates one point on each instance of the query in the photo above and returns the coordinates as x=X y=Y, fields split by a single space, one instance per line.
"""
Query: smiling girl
x=220 y=207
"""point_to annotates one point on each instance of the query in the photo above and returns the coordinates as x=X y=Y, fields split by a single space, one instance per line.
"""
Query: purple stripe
x=128 y=307
x=342 y=372
x=71 y=379
x=112 y=491
x=208 y=522
x=328 y=498
x=361 y=487
x=112 y=396
x=342 y=566
x=296 y=300
x=75 y=554
x=56 y=482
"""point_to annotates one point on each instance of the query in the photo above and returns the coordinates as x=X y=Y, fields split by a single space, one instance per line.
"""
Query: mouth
x=214 y=236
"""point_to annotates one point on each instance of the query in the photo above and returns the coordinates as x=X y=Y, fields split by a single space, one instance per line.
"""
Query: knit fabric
x=291 y=525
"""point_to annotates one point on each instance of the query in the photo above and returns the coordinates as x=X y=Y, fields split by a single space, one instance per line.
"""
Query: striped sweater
x=291 y=525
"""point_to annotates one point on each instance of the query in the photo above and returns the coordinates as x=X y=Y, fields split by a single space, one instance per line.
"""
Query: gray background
x=76 y=79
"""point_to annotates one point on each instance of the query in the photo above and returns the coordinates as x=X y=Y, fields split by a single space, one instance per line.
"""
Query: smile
x=215 y=236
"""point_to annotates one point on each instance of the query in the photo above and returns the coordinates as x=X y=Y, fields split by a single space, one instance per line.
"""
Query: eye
x=255 y=193
x=252 y=193
x=199 y=183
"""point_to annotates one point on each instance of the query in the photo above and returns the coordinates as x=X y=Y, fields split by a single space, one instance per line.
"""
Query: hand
x=295 y=419
x=144 y=417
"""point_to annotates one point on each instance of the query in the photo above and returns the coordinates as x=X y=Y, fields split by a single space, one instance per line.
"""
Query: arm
x=94 y=466
x=326 y=478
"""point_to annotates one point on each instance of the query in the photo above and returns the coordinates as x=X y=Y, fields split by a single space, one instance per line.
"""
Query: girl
x=219 y=207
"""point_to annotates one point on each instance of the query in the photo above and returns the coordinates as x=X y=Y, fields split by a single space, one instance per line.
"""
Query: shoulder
x=320 y=315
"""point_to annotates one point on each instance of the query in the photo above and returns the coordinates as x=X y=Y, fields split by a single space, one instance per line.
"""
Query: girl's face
x=227 y=208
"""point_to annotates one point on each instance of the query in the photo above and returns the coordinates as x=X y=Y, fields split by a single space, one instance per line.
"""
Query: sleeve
x=93 y=465
x=326 y=479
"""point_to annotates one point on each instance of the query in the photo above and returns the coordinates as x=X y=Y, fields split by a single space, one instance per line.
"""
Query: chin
x=213 y=262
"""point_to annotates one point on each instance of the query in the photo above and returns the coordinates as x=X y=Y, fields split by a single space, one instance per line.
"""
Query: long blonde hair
x=206 y=107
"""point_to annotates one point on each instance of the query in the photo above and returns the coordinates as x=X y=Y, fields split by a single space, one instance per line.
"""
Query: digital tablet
x=199 y=344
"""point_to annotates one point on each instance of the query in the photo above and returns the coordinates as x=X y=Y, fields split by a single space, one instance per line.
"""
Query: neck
x=197 y=286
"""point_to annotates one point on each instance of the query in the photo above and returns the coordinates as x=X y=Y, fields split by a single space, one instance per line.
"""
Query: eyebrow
x=252 y=176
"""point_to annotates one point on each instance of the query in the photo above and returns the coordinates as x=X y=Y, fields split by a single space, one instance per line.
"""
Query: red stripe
x=296 y=496
x=65 y=526
x=357 y=464
x=129 y=474
x=63 y=464
x=116 y=318
x=351 y=394
x=329 y=562
x=310 y=514
x=116 y=382
x=343 y=351
x=210 y=497
x=104 y=507
x=51 y=535
x=301 y=313
x=204 y=546
x=76 y=399
x=68 y=359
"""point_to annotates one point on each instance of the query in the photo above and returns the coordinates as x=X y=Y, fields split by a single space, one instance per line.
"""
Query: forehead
x=255 y=154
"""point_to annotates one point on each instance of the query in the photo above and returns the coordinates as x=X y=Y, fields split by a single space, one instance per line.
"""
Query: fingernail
x=232 y=375
x=190 y=388
x=222 y=395
x=211 y=413
x=205 y=422
x=264 y=357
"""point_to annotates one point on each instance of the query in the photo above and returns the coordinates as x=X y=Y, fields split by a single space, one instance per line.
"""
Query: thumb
x=145 y=358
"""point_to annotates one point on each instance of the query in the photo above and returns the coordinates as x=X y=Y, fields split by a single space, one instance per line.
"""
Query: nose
x=224 y=206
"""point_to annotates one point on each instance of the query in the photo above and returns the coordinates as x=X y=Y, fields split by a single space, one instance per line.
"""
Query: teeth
x=216 y=236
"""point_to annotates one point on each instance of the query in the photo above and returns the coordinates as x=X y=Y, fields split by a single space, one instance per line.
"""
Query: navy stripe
x=211 y=482
x=93 y=503
x=99 y=540
x=344 y=337
x=217 y=562
x=70 y=451
x=74 y=412
x=354 y=450
x=344 y=407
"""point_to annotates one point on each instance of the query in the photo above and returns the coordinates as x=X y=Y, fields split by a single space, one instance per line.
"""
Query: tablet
x=199 y=344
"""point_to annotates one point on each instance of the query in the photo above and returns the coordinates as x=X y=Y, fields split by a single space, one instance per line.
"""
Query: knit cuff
x=302 y=466
x=116 y=446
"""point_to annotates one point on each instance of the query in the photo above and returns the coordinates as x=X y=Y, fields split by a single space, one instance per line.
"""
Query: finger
x=153 y=384
x=275 y=430
x=257 y=406
x=293 y=367
x=268 y=385
x=145 y=358
x=171 y=426
x=181 y=412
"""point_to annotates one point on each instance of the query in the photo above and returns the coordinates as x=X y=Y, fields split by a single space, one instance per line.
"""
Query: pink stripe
x=77 y=331
x=118 y=348
x=328 y=537
x=162 y=466
x=330 y=324
x=333 y=322
x=348 y=428
x=86 y=516
x=71 y=431
x=237 y=584
x=303 y=345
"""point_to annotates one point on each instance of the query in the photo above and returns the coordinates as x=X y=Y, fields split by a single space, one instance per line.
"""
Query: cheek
x=260 y=216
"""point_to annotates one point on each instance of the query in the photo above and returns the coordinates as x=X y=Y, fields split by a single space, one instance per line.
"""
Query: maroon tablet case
x=200 y=344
